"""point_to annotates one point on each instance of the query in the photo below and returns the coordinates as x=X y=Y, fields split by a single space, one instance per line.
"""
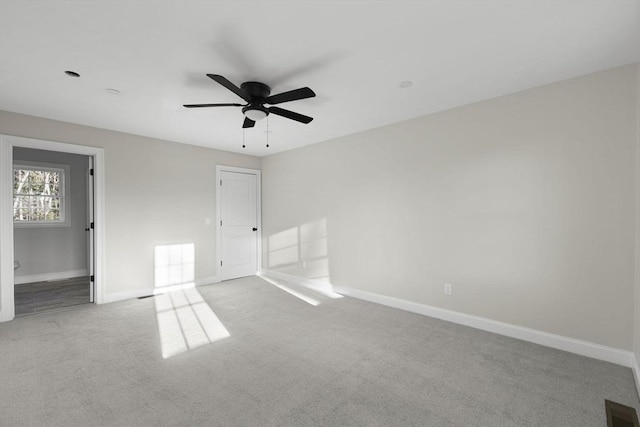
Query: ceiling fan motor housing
x=257 y=91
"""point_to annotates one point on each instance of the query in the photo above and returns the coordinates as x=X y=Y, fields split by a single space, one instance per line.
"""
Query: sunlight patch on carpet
x=290 y=291
x=186 y=321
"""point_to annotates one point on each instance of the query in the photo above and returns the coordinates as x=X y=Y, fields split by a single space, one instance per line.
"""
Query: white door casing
x=89 y=229
x=238 y=221
x=7 y=142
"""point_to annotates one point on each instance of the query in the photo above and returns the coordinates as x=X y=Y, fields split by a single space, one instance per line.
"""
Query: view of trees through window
x=38 y=195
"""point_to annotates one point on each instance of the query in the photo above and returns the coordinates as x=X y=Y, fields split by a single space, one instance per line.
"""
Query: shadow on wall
x=300 y=251
x=185 y=320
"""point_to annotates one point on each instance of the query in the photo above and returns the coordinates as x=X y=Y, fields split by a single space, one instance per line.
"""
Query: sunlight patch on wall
x=314 y=250
x=283 y=248
x=301 y=251
x=174 y=264
x=322 y=286
x=186 y=321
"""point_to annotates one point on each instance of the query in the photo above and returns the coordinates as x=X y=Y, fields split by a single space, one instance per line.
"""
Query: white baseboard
x=137 y=293
x=4 y=316
x=61 y=275
x=125 y=295
x=324 y=288
x=583 y=348
x=207 y=281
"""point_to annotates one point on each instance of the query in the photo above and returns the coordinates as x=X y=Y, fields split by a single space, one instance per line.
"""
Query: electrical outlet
x=448 y=289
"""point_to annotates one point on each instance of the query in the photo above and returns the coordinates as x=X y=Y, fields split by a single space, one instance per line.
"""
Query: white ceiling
x=353 y=54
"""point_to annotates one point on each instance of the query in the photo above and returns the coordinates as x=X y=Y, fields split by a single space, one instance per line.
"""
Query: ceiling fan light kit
x=255 y=112
x=256 y=95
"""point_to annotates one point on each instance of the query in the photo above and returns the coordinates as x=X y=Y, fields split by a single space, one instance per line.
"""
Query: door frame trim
x=258 y=174
x=7 y=142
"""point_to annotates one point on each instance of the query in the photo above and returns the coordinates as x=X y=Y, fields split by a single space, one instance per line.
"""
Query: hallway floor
x=40 y=297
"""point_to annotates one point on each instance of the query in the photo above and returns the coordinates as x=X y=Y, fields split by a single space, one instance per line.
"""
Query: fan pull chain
x=267 y=131
x=243 y=146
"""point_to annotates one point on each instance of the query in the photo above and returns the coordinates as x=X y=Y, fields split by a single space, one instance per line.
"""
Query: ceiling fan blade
x=292 y=95
x=248 y=123
x=226 y=83
x=290 y=115
x=211 y=105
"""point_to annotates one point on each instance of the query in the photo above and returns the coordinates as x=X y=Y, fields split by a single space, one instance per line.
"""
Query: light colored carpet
x=285 y=362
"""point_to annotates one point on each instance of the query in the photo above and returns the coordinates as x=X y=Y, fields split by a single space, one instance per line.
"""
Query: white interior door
x=238 y=224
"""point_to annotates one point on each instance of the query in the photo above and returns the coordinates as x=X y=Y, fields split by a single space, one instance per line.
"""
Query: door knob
x=255 y=229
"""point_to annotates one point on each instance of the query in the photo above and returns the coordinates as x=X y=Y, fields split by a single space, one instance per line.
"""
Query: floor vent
x=620 y=415
x=146 y=296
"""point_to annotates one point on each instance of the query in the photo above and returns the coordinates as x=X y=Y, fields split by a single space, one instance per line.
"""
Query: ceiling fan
x=256 y=95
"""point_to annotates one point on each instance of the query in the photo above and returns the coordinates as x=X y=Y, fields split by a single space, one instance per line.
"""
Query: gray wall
x=156 y=193
x=524 y=203
x=42 y=251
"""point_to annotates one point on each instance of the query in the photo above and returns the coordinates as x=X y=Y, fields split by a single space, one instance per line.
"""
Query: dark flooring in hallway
x=40 y=297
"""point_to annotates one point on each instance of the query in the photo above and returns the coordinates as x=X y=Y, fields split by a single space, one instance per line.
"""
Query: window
x=39 y=194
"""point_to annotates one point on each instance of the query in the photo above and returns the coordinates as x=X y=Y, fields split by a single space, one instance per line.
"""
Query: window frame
x=64 y=192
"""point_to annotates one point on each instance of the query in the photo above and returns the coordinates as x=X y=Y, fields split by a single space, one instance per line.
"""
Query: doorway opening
x=52 y=232
x=19 y=266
